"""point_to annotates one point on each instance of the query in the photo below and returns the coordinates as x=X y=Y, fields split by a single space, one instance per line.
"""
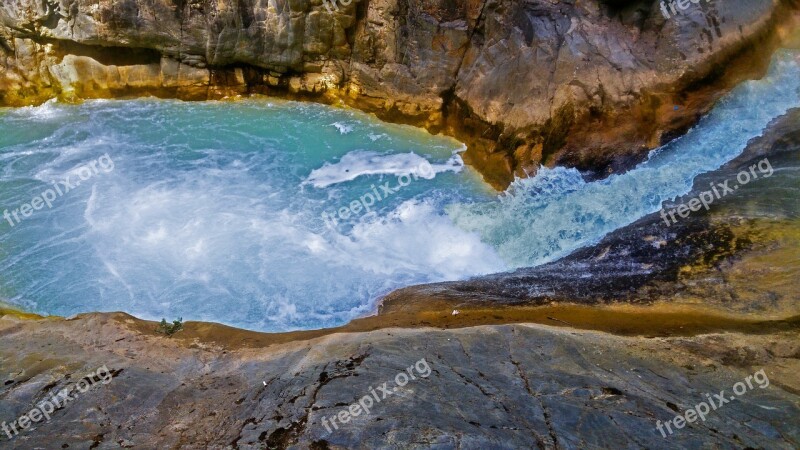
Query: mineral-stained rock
x=585 y=83
x=510 y=386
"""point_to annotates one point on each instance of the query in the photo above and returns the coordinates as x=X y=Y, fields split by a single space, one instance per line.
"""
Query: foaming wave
x=545 y=217
x=48 y=110
x=417 y=239
x=203 y=219
x=263 y=266
x=343 y=128
x=359 y=163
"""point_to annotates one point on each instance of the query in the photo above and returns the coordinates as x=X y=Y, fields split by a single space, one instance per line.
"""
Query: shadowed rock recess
x=590 y=84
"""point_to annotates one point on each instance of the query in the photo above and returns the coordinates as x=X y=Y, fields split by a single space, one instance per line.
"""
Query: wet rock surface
x=588 y=84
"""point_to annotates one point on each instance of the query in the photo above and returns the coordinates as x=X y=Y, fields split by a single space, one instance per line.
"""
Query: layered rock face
x=585 y=83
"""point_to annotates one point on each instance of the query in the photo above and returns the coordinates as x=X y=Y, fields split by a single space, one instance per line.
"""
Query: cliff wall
x=591 y=84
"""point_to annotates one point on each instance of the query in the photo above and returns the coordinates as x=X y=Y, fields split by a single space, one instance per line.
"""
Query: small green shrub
x=169 y=330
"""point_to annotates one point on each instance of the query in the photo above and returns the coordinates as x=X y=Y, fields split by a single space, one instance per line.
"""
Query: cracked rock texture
x=511 y=386
x=585 y=83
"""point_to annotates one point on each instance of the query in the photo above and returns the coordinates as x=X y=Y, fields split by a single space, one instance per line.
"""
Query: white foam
x=545 y=217
x=207 y=223
x=48 y=110
x=167 y=241
x=416 y=239
x=343 y=128
x=361 y=163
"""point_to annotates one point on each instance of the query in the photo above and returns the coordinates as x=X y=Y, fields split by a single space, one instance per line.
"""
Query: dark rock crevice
x=108 y=56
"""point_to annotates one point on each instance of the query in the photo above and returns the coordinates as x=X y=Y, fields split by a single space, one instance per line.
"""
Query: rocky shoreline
x=593 y=85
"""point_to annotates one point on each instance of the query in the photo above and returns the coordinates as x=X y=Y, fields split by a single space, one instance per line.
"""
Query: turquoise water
x=253 y=213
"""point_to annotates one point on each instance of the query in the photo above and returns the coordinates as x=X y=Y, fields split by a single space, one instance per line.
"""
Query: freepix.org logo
x=669 y=6
x=332 y=5
x=72 y=180
x=60 y=399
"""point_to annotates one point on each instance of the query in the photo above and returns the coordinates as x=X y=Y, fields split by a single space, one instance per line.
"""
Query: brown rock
x=591 y=82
